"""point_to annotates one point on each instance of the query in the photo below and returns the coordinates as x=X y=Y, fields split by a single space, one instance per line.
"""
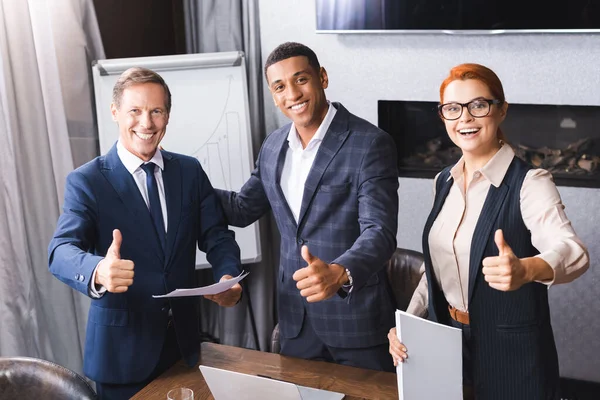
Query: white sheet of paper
x=204 y=290
x=433 y=369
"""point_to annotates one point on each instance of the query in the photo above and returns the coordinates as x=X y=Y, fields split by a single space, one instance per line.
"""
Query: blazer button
x=81 y=278
x=77 y=276
x=300 y=241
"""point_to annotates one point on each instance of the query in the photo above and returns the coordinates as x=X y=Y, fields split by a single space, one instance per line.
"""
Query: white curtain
x=45 y=100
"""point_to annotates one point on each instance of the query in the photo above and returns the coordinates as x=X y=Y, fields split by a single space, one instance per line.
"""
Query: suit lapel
x=442 y=190
x=125 y=186
x=173 y=186
x=443 y=186
x=483 y=230
x=281 y=147
x=332 y=142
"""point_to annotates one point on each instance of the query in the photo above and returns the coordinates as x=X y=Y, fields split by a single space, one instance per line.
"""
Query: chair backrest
x=32 y=378
x=404 y=274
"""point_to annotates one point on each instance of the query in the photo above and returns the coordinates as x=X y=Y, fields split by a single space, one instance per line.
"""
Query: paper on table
x=433 y=369
x=204 y=290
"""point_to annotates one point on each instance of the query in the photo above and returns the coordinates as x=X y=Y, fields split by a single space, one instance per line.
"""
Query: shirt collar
x=494 y=170
x=456 y=172
x=294 y=139
x=133 y=162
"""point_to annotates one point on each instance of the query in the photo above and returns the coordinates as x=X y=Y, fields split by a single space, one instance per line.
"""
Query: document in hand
x=433 y=369
x=204 y=290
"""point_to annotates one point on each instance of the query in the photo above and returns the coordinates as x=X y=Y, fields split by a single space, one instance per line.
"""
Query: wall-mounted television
x=458 y=16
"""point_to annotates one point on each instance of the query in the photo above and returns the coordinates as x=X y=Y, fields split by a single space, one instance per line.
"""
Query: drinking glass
x=180 y=394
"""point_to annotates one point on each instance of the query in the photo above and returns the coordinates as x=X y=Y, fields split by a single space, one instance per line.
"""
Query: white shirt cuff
x=96 y=291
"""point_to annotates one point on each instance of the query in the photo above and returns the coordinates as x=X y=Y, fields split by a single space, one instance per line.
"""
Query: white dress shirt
x=133 y=164
x=298 y=162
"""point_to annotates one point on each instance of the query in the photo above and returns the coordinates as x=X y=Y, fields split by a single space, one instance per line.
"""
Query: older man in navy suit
x=331 y=180
x=129 y=229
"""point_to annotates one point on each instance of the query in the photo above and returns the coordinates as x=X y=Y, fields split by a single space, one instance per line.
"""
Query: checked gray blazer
x=349 y=216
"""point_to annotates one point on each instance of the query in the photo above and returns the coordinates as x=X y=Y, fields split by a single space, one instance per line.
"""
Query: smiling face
x=299 y=92
x=142 y=118
x=474 y=136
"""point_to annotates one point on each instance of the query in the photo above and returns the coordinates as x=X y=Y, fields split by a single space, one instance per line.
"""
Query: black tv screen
x=468 y=16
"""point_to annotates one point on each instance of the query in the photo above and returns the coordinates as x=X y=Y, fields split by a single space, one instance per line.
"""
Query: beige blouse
x=451 y=234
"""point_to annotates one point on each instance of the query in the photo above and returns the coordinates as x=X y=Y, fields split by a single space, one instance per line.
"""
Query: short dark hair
x=292 y=49
x=138 y=75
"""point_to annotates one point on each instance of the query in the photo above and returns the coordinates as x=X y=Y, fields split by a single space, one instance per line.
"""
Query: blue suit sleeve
x=214 y=237
x=247 y=206
x=71 y=255
x=377 y=212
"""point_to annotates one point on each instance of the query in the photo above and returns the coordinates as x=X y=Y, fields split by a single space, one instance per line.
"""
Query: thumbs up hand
x=306 y=256
x=114 y=274
x=318 y=280
x=506 y=271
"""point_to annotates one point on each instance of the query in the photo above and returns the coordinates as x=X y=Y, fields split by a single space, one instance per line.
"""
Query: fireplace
x=562 y=139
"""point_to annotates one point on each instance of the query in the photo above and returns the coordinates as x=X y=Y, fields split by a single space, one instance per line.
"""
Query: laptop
x=229 y=385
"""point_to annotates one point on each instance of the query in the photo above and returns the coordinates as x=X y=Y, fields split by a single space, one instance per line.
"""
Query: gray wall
x=535 y=69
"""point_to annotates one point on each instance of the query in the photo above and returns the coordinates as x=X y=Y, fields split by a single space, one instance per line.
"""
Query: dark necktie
x=154 y=206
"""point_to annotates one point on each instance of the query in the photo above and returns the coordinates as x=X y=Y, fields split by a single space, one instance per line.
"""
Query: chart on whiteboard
x=219 y=136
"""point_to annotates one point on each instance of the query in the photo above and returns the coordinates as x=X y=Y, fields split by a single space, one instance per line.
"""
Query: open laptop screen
x=225 y=385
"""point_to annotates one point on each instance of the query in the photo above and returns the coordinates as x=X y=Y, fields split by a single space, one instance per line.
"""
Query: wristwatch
x=350 y=280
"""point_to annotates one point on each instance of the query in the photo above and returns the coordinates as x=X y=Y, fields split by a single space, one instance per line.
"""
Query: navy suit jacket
x=126 y=331
x=349 y=216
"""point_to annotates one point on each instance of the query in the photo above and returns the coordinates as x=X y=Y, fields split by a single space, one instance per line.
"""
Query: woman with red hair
x=496 y=239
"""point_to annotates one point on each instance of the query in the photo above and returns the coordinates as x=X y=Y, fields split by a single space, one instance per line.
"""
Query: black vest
x=513 y=352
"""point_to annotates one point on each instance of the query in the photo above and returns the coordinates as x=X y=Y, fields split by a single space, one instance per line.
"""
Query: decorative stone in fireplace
x=560 y=138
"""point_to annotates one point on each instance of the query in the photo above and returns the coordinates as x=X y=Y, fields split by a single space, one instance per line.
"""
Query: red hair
x=481 y=73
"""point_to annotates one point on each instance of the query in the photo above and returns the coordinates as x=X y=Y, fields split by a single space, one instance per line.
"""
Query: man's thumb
x=503 y=247
x=306 y=254
x=115 y=247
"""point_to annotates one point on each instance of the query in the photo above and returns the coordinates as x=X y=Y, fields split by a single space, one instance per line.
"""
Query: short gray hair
x=138 y=75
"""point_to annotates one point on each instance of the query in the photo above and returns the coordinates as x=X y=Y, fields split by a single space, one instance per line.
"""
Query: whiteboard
x=209 y=120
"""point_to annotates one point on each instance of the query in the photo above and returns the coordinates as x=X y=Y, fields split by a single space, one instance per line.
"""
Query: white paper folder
x=433 y=369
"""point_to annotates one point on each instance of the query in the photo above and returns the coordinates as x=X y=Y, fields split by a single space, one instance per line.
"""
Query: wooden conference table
x=356 y=383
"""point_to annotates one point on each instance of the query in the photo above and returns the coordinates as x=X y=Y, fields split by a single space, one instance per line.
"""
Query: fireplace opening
x=562 y=139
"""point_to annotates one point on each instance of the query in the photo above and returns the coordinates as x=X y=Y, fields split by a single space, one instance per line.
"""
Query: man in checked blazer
x=330 y=179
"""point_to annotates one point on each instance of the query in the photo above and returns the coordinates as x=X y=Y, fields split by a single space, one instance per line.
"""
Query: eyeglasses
x=478 y=108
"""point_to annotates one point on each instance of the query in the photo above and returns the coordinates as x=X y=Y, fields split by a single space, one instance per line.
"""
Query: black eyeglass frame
x=466 y=105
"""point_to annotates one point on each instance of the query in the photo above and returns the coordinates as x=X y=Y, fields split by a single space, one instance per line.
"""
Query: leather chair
x=404 y=274
x=32 y=378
